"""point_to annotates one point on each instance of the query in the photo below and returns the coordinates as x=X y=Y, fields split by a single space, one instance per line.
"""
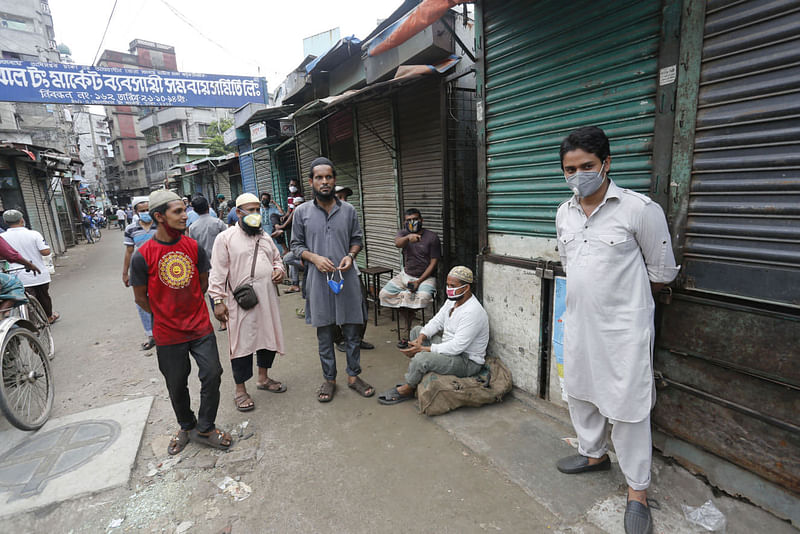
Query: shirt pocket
x=611 y=246
x=568 y=246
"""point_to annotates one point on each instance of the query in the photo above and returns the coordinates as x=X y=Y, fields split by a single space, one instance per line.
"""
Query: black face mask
x=265 y=202
x=249 y=230
x=413 y=225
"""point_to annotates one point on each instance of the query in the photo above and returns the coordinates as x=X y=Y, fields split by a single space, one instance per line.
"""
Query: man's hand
x=221 y=312
x=346 y=263
x=323 y=264
x=413 y=285
x=413 y=238
x=125 y=279
x=31 y=267
x=415 y=347
x=277 y=276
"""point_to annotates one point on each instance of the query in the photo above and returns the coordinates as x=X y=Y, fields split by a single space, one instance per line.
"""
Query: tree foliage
x=215 y=141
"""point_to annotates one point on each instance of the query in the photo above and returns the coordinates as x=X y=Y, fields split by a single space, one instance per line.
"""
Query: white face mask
x=292 y=189
x=451 y=292
x=585 y=183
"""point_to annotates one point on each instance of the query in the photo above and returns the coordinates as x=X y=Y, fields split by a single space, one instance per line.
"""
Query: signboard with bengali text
x=62 y=83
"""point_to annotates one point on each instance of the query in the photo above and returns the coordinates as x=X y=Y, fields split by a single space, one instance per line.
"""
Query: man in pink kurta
x=256 y=330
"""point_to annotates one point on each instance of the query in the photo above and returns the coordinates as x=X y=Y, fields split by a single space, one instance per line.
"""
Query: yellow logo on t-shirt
x=175 y=270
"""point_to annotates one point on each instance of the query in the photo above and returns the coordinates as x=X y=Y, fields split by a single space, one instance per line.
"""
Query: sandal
x=178 y=442
x=292 y=289
x=215 y=438
x=361 y=387
x=270 y=385
x=244 y=403
x=55 y=317
x=393 y=397
x=402 y=344
x=149 y=344
x=325 y=391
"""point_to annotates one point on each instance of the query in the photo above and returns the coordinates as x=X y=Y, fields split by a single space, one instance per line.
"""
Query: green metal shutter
x=552 y=67
x=376 y=160
x=421 y=156
x=743 y=229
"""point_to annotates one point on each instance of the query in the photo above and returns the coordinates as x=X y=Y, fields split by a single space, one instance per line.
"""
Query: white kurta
x=610 y=259
x=231 y=261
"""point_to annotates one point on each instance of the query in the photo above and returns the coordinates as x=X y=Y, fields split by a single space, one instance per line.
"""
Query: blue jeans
x=352 y=342
x=147 y=321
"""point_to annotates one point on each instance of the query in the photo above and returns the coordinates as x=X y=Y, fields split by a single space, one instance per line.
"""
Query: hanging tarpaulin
x=422 y=16
x=63 y=83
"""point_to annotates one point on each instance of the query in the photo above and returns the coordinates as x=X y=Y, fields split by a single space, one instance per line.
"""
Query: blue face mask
x=335 y=286
x=145 y=217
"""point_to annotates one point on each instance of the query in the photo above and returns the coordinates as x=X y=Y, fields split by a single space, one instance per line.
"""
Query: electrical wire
x=100 y=46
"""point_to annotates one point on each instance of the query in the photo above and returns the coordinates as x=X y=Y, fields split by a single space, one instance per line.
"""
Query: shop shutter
x=308 y=149
x=248 y=170
x=552 y=67
x=26 y=185
x=421 y=157
x=45 y=215
x=263 y=166
x=376 y=152
x=743 y=228
x=287 y=170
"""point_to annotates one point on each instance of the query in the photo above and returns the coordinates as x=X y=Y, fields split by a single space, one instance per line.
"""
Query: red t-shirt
x=171 y=272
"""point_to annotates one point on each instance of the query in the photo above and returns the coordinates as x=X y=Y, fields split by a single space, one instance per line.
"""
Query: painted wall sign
x=61 y=83
x=258 y=131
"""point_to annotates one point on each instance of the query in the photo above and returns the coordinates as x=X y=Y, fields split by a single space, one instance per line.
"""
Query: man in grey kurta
x=327 y=236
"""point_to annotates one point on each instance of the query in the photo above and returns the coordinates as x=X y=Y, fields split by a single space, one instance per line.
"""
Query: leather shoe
x=572 y=465
x=366 y=345
x=638 y=519
x=340 y=347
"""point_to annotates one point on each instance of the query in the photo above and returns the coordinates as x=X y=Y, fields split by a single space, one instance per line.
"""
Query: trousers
x=174 y=364
x=42 y=294
x=243 y=367
x=632 y=441
x=147 y=321
x=444 y=364
x=352 y=343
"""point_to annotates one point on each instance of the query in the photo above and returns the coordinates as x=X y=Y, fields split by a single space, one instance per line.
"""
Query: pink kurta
x=231 y=260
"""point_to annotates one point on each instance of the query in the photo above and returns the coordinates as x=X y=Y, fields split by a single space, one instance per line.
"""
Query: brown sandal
x=241 y=402
x=178 y=442
x=272 y=385
x=215 y=438
x=361 y=387
x=325 y=391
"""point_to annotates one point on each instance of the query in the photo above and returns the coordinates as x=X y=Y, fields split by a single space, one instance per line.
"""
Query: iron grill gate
x=376 y=155
x=552 y=67
x=743 y=228
x=263 y=165
x=309 y=148
x=247 y=166
x=421 y=156
x=287 y=171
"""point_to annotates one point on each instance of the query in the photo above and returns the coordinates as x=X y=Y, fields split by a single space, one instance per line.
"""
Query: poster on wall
x=63 y=83
x=559 y=308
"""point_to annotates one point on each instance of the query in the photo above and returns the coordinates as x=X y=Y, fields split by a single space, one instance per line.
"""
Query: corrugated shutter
x=247 y=166
x=263 y=166
x=374 y=123
x=45 y=215
x=551 y=68
x=28 y=196
x=421 y=157
x=743 y=229
x=308 y=148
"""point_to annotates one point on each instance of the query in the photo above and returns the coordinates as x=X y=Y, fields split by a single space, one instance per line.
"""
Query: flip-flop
x=327 y=388
x=241 y=402
x=361 y=387
x=213 y=439
x=178 y=442
x=270 y=382
x=149 y=344
x=393 y=397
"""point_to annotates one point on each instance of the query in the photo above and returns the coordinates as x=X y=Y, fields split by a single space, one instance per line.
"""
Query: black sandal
x=215 y=438
x=178 y=442
x=325 y=391
x=149 y=344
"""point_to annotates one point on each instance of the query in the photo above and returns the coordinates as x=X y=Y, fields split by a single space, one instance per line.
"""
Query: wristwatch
x=352 y=255
x=217 y=301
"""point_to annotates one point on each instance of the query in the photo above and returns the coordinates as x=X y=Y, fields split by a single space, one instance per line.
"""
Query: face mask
x=451 y=292
x=413 y=225
x=292 y=189
x=145 y=217
x=265 y=203
x=335 y=286
x=252 y=220
x=585 y=183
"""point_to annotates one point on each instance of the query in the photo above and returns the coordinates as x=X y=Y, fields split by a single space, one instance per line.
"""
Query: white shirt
x=610 y=259
x=121 y=214
x=28 y=243
x=465 y=331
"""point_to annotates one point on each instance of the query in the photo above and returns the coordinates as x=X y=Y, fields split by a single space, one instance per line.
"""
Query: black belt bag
x=245 y=294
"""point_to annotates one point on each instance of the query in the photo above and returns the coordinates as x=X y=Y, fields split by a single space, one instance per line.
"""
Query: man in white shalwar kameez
x=615 y=247
x=257 y=330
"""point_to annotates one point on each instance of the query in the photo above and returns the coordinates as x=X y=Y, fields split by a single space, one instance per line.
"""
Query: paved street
x=350 y=466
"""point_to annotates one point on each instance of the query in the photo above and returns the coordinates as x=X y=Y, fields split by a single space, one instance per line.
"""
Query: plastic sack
x=707 y=516
x=48 y=262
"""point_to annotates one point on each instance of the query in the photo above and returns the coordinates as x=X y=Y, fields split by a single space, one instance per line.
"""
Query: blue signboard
x=63 y=83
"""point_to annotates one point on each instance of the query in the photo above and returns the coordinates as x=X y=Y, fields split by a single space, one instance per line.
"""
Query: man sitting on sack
x=452 y=343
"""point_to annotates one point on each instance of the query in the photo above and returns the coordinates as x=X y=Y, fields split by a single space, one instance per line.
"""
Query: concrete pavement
x=349 y=466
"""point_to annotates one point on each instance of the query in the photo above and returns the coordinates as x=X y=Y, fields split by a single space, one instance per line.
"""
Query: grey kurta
x=330 y=235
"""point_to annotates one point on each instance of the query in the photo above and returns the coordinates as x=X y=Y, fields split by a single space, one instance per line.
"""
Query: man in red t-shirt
x=169 y=275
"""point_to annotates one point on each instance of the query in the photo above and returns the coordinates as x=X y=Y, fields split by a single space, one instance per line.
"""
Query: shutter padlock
x=548 y=271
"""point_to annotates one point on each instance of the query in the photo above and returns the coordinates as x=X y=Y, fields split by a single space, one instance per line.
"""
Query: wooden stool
x=373 y=275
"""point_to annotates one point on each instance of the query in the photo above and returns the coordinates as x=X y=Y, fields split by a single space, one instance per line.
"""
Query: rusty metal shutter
x=26 y=185
x=309 y=147
x=376 y=155
x=551 y=68
x=421 y=156
x=263 y=165
x=743 y=228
